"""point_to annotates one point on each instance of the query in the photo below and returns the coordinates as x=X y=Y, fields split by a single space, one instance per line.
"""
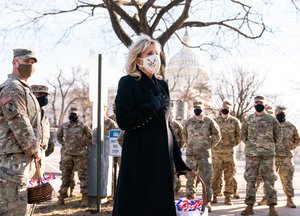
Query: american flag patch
x=6 y=99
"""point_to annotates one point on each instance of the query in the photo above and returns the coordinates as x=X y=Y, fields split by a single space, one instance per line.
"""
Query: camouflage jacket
x=200 y=136
x=45 y=135
x=261 y=135
x=108 y=125
x=74 y=138
x=177 y=130
x=20 y=118
x=289 y=140
x=230 y=128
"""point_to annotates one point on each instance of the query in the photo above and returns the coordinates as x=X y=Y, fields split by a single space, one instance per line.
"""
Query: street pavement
x=219 y=209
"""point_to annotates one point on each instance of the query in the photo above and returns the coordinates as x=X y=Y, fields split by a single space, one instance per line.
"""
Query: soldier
x=41 y=93
x=261 y=134
x=201 y=133
x=223 y=153
x=284 y=163
x=269 y=109
x=20 y=134
x=74 y=136
x=177 y=130
x=109 y=124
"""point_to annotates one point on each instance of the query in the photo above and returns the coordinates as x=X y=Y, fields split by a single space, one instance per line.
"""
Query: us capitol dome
x=186 y=77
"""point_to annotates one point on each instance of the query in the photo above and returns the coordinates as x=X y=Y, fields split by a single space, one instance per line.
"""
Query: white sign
x=114 y=147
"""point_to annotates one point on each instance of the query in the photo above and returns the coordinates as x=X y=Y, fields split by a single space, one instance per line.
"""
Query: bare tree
x=69 y=91
x=238 y=87
x=160 y=19
x=185 y=87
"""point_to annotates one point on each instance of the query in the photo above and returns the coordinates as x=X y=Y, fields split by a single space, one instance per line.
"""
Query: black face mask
x=73 y=117
x=225 y=111
x=43 y=101
x=280 y=117
x=197 y=111
x=259 y=107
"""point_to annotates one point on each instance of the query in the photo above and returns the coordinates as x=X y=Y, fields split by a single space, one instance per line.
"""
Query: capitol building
x=187 y=79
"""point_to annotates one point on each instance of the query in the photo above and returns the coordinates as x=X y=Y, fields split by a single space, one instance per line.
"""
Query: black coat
x=145 y=182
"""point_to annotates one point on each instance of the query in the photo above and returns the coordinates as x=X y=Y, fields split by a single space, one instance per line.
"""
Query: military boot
x=84 y=201
x=236 y=195
x=71 y=192
x=61 y=200
x=227 y=200
x=215 y=199
x=65 y=195
x=290 y=203
x=248 y=210
x=264 y=201
x=272 y=211
x=208 y=206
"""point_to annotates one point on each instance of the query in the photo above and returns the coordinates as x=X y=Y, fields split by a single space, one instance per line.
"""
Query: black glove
x=155 y=102
x=164 y=101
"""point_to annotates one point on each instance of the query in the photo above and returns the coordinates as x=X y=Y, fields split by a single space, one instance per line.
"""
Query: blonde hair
x=135 y=50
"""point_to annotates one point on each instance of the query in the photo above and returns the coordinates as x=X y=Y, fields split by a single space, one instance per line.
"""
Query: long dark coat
x=145 y=182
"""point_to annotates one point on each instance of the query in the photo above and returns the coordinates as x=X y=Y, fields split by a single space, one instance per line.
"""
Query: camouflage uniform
x=177 y=130
x=223 y=154
x=200 y=136
x=19 y=141
x=74 y=137
x=63 y=154
x=284 y=163
x=108 y=125
x=47 y=144
x=269 y=110
x=260 y=133
x=51 y=145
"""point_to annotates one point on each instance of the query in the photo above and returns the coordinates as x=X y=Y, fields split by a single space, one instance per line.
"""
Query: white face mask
x=151 y=63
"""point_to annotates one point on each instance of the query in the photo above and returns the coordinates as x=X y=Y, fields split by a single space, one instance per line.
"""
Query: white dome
x=186 y=62
x=185 y=72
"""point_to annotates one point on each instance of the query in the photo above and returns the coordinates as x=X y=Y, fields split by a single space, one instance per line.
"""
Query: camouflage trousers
x=264 y=165
x=205 y=170
x=69 y=164
x=177 y=182
x=224 y=163
x=15 y=171
x=285 y=167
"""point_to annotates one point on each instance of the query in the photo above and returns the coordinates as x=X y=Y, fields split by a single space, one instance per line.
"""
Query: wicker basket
x=41 y=192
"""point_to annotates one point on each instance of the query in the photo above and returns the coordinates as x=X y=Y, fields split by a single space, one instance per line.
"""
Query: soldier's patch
x=6 y=99
x=10 y=106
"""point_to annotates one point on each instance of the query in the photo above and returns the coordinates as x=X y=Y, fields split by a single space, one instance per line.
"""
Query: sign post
x=114 y=147
x=115 y=150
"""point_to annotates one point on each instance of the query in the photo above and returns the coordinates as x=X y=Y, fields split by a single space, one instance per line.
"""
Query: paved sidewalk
x=223 y=210
x=219 y=209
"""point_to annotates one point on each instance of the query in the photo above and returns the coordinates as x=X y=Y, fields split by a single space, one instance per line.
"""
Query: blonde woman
x=145 y=184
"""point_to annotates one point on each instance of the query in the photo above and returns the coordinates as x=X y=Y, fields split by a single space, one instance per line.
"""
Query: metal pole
x=99 y=138
x=115 y=176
